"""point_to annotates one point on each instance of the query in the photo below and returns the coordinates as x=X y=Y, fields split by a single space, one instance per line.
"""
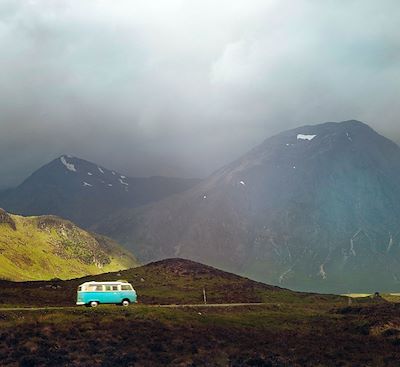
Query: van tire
x=125 y=303
x=93 y=304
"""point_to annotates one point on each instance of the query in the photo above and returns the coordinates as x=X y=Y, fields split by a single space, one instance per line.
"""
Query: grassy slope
x=49 y=247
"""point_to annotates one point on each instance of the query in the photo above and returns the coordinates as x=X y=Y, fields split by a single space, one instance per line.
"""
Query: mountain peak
x=313 y=208
x=85 y=192
x=330 y=127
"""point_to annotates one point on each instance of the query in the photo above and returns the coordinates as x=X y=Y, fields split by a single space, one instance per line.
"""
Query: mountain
x=46 y=247
x=314 y=208
x=85 y=192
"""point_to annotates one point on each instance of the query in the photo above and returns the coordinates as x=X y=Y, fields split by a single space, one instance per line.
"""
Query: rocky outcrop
x=5 y=218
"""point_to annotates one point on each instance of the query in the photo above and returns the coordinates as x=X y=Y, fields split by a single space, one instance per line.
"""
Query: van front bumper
x=80 y=303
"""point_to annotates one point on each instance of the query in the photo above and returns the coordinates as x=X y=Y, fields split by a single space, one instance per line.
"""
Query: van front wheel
x=93 y=304
x=125 y=303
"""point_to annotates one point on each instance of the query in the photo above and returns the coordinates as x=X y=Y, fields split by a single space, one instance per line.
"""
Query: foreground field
x=286 y=329
x=269 y=335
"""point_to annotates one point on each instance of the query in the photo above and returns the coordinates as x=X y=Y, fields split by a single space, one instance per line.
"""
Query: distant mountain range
x=46 y=247
x=85 y=192
x=314 y=208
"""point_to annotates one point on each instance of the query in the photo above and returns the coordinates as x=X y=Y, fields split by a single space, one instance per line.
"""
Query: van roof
x=114 y=282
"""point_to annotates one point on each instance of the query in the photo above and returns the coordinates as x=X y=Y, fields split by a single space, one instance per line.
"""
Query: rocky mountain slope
x=46 y=247
x=314 y=208
x=85 y=192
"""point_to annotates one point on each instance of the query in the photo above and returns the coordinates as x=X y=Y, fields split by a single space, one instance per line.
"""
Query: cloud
x=182 y=87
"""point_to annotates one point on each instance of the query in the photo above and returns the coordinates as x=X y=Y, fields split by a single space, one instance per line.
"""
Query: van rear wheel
x=93 y=304
x=125 y=303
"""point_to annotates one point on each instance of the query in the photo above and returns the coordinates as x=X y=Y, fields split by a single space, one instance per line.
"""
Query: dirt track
x=162 y=306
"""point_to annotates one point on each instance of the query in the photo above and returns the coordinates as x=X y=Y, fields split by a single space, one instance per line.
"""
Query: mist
x=180 y=88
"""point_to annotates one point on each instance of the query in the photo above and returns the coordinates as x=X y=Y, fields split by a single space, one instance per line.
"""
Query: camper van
x=93 y=293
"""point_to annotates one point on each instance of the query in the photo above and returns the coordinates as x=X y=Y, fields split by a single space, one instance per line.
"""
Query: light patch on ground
x=356 y=295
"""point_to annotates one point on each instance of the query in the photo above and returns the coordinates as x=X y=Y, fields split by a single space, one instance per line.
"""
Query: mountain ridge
x=85 y=192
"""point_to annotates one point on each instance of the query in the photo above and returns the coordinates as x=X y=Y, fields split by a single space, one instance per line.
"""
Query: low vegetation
x=286 y=329
x=270 y=335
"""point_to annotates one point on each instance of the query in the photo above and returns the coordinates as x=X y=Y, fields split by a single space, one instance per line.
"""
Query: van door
x=116 y=294
x=112 y=294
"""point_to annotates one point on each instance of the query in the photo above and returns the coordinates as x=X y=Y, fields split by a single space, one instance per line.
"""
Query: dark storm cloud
x=182 y=87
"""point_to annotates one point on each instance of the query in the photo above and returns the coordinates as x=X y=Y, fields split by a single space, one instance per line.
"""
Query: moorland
x=40 y=326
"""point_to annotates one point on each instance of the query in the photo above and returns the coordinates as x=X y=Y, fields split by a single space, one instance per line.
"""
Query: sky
x=182 y=87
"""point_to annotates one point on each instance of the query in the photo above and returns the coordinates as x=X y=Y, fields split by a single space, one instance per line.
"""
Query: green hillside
x=46 y=247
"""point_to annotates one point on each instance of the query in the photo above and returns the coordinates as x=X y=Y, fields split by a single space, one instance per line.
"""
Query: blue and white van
x=93 y=293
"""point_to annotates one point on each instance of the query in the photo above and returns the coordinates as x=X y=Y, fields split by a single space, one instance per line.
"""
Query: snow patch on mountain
x=68 y=166
x=101 y=171
x=87 y=184
x=322 y=272
x=305 y=137
x=283 y=275
x=123 y=182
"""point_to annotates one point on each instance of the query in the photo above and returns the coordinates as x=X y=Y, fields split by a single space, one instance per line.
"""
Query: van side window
x=126 y=288
x=108 y=287
x=114 y=287
x=99 y=288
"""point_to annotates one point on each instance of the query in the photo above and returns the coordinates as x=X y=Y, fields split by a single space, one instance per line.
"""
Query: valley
x=309 y=214
x=199 y=183
x=315 y=208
